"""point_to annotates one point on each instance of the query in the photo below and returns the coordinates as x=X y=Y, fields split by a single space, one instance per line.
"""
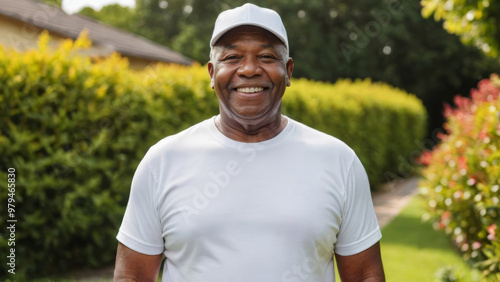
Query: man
x=249 y=195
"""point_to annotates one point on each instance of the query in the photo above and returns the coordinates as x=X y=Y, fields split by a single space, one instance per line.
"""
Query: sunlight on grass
x=413 y=251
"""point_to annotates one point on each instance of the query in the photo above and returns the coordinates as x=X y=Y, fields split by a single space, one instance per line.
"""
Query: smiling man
x=250 y=194
x=250 y=70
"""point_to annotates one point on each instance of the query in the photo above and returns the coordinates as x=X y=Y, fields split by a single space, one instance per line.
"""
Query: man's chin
x=249 y=116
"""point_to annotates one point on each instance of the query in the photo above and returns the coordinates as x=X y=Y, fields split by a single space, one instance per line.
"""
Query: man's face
x=250 y=72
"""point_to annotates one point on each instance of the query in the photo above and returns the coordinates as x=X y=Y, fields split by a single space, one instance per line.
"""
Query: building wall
x=23 y=36
x=139 y=63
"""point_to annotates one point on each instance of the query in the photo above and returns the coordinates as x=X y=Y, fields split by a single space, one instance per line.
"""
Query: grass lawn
x=413 y=251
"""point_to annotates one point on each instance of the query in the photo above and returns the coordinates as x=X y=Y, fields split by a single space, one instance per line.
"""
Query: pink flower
x=486 y=91
x=425 y=158
x=476 y=245
x=472 y=180
x=448 y=110
x=491 y=232
x=462 y=163
x=446 y=215
x=483 y=134
x=463 y=103
x=445 y=219
x=441 y=136
x=465 y=247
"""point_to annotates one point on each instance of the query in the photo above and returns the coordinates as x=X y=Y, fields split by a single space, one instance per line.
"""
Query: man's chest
x=232 y=200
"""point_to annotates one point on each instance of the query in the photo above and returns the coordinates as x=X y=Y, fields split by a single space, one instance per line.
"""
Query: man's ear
x=211 y=73
x=289 y=70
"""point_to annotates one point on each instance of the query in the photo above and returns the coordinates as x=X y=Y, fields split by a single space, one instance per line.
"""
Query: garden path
x=393 y=197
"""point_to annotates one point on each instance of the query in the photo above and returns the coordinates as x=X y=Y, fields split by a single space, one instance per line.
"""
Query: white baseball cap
x=249 y=14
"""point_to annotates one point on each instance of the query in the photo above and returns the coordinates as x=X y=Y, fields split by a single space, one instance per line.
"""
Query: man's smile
x=249 y=90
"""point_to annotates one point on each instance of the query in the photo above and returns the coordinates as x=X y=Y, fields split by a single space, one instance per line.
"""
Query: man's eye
x=231 y=57
x=268 y=57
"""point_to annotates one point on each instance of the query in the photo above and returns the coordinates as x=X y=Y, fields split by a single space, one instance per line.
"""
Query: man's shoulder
x=188 y=137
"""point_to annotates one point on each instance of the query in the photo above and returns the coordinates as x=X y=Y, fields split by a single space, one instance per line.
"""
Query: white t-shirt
x=222 y=210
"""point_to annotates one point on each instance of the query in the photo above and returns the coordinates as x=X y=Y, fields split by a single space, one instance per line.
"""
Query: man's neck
x=248 y=132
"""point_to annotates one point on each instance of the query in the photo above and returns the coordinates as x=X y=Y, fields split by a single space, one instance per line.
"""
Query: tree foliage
x=476 y=21
x=56 y=3
x=116 y=15
x=185 y=26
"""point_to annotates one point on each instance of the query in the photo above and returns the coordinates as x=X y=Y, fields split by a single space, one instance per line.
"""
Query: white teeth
x=250 y=89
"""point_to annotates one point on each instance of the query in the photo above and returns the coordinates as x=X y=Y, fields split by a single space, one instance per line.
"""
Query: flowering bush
x=462 y=178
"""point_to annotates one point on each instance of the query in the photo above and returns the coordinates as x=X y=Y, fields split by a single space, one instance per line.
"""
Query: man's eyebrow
x=267 y=46
x=229 y=47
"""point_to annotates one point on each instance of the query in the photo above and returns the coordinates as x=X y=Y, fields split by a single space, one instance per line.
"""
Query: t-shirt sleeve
x=141 y=229
x=359 y=229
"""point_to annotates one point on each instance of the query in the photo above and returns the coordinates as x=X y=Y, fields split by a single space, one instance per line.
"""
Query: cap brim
x=222 y=32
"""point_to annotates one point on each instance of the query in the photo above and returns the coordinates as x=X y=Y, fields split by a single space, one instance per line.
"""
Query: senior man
x=250 y=194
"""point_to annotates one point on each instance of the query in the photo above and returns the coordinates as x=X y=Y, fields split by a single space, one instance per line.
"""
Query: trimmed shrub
x=75 y=129
x=70 y=129
x=462 y=178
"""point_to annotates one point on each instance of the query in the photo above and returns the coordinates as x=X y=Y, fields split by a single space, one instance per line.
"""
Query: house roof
x=57 y=21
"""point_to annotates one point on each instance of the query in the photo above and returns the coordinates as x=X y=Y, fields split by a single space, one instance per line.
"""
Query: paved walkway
x=388 y=202
x=393 y=198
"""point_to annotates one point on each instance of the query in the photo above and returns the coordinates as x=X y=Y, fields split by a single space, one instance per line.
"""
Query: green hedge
x=75 y=129
x=462 y=179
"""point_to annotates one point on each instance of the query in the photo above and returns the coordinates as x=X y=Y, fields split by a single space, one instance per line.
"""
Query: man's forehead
x=230 y=46
x=248 y=32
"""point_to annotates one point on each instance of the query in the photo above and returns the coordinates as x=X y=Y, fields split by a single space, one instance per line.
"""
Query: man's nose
x=250 y=67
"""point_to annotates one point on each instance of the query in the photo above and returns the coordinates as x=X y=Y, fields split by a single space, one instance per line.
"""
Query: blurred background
x=88 y=86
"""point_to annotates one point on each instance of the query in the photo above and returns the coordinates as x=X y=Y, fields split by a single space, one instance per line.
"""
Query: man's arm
x=133 y=266
x=365 y=266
